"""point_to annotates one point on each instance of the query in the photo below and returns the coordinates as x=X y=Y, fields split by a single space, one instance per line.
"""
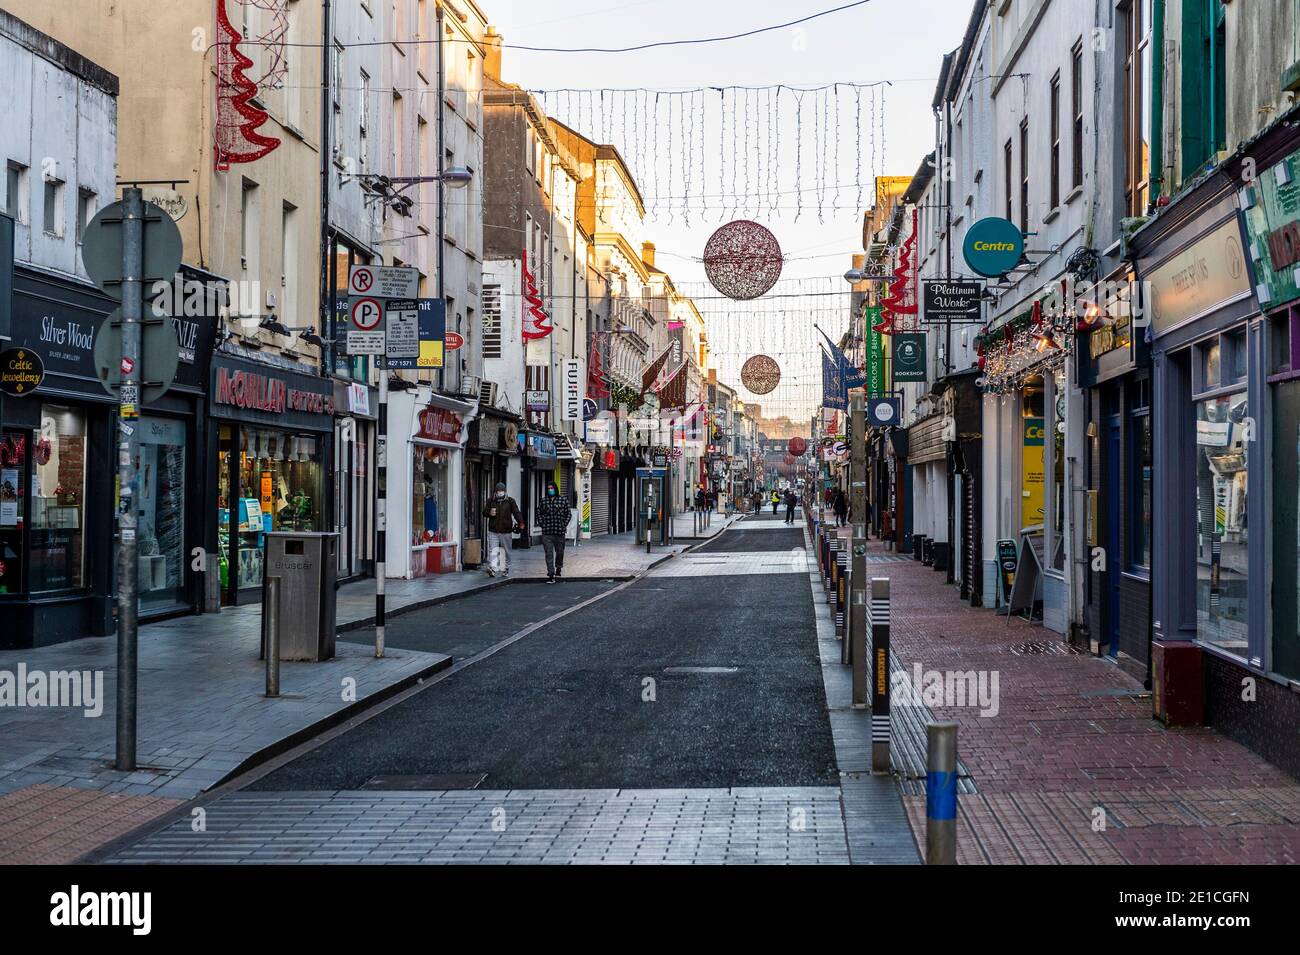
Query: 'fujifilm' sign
x=134 y=909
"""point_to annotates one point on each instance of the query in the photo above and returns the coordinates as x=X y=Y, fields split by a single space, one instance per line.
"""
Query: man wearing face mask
x=553 y=516
x=503 y=517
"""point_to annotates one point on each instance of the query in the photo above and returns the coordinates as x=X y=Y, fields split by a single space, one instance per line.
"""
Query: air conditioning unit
x=470 y=385
x=487 y=394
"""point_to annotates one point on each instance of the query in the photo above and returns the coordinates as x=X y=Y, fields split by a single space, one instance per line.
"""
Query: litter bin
x=305 y=562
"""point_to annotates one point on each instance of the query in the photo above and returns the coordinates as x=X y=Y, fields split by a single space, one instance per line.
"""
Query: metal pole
x=271 y=624
x=858 y=617
x=381 y=498
x=880 y=671
x=941 y=794
x=128 y=449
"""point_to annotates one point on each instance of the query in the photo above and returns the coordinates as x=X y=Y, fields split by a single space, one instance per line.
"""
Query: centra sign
x=993 y=246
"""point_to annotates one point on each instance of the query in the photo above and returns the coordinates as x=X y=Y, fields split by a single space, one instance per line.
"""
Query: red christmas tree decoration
x=536 y=321
x=237 y=120
x=901 y=299
x=597 y=386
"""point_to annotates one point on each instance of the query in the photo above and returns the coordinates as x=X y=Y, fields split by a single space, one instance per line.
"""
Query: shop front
x=604 y=474
x=355 y=408
x=493 y=442
x=272 y=440
x=539 y=458
x=57 y=574
x=426 y=482
x=1113 y=369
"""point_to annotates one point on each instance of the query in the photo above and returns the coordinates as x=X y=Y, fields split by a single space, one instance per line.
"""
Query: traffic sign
x=403 y=329
x=367 y=313
x=159 y=357
x=101 y=249
x=365 y=343
x=384 y=281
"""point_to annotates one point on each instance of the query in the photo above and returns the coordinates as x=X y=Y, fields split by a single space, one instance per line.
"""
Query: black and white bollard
x=880 y=675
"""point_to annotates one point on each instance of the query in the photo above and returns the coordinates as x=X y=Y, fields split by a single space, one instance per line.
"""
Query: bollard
x=271 y=625
x=880 y=674
x=859 y=620
x=941 y=794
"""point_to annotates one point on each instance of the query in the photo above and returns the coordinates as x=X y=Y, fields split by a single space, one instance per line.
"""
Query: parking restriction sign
x=367 y=314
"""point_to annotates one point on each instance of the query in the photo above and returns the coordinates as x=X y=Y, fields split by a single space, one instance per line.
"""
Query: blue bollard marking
x=941 y=796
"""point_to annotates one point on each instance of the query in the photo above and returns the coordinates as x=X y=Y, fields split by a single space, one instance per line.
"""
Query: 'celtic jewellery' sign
x=21 y=371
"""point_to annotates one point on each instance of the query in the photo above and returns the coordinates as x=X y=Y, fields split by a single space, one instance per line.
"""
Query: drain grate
x=1044 y=648
x=426 y=783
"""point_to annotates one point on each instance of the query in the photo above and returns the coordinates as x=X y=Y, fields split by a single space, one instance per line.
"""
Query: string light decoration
x=730 y=151
x=760 y=374
x=236 y=138
x=743 y=259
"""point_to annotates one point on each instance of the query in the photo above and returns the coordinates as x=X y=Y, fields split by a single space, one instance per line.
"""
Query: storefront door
x=1114 y=561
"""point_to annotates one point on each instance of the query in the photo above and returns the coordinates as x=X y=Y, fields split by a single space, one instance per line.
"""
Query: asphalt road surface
x=701 y=679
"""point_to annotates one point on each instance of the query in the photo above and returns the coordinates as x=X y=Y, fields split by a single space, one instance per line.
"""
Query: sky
x=706 y=158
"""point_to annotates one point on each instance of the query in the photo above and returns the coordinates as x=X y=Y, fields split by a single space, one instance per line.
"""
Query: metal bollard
x=941 y=794
x=859 y=620
x=880 y=675
x=271 y=625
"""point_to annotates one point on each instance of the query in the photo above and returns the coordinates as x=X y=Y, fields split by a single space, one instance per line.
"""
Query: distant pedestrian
x=758 y=502
x=840 y=505
x=790 y=502
x=776 y=500
x=503 y=518
x=553 y=516
x=866 y=527
x=710 y=501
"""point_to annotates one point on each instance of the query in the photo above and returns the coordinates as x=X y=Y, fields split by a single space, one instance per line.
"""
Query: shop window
x=1058 y=467
x=161 y=520
x=279 y=488
x=1222 y=559
x=1285 y=527
x=1140 y=493
x=13 y=467
x=58 y=500
x=1210 y=365
x=430 y=506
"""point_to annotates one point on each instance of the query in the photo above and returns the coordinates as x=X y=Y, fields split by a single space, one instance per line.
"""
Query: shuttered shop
x=600 y=502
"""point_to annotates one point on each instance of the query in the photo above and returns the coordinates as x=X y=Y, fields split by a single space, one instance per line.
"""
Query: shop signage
x=452 y=342
x=537 y=446
x=1207 y=275
x=573 y=380
x=1007 y=562
x=258 y=394
x=883 y=411
x=383 y=281
x=993 y=246
x=537 y=400
x=402 y=330
x=358 y=399
x=598 y=430
x=909 y=357
x=1032 y=477
x=1271 y=205
x=875 y=366
x=21 y=371
x=440 y=424
x=951 y=301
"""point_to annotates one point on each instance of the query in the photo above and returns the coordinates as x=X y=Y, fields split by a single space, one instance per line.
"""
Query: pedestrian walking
x=776 y=500
x=503 y=519
x=790 y=502
x=710 y=501
x=699 y=498
x=866 y=527
x=553 y=516
x=840 y=505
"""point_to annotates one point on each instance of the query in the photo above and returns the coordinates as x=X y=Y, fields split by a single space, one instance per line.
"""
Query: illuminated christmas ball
x=798 y=446
x=743 y=259
x=760 y=374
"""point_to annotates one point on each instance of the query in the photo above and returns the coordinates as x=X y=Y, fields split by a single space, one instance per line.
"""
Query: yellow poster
x=1032 y=473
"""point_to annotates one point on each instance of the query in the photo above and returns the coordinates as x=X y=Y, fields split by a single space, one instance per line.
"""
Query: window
x=86 y=208
x=293 y=87
x=1137 y=106
x=52 y=210
x=1007 y=179
x=363 y=155
x=288 y=263
x=1024 y=174
x=491 y=321
x=58 y=500
x=336 y=94
x=1140 y=465
x=431 y=503
x=1222 y=558
x=1076 y=110
x=161 y=523
x=16 y=192
x=1054 y=158
x=248 y=228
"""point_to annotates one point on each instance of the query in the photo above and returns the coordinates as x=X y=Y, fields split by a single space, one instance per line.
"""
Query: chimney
x=492 y=57
x=648 y=253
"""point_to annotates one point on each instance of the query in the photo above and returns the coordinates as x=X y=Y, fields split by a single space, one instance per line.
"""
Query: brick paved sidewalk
x=1073 y=743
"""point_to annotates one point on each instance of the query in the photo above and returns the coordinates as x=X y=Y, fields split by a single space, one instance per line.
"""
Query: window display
x=430 y=514
x=277 y=487
x=58 y=497
x=13 y=465
x=161 y=532
x=1222 y=561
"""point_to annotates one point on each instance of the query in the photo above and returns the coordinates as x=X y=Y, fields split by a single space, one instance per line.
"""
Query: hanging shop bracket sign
x=951 y=300
x=21 y=371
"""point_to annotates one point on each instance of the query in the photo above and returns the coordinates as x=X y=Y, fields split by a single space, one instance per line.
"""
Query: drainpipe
x=442 y=189
x=1157 y=160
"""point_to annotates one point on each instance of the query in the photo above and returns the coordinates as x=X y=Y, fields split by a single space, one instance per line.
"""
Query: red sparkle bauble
x=743 y=259
x=798 y=446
